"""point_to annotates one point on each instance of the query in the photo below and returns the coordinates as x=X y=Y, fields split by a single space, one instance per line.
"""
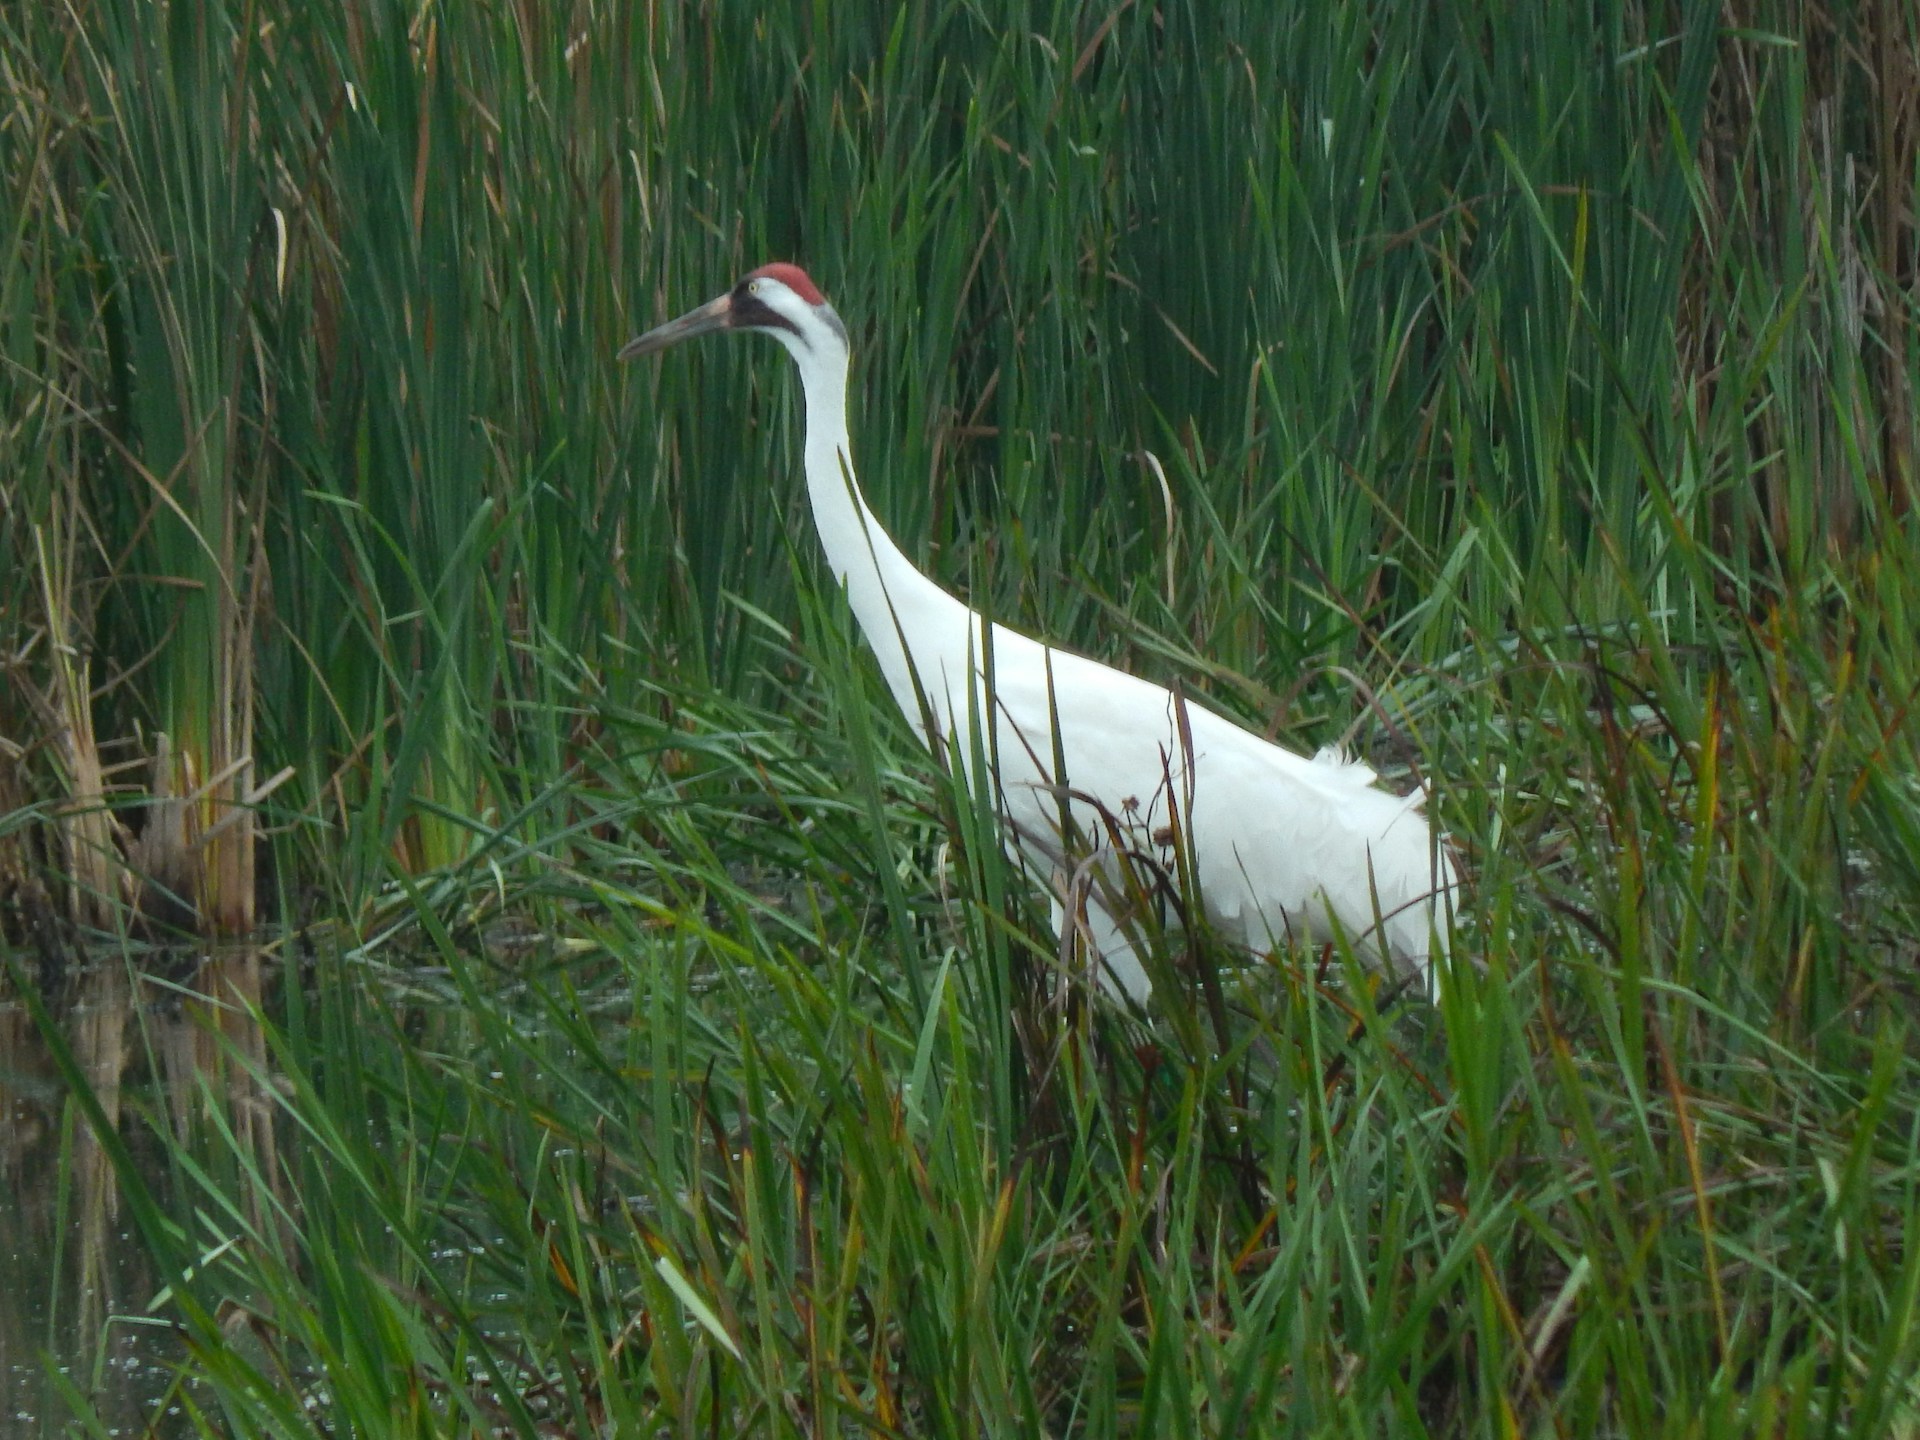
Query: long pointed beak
x=711 y=316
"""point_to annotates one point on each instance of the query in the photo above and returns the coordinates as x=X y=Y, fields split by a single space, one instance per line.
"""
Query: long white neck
x=889 y=596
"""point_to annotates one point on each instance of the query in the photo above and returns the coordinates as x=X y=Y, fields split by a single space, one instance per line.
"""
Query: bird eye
x=753 y=287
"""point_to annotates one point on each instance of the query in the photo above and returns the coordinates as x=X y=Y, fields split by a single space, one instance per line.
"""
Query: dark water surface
x=77 y=1284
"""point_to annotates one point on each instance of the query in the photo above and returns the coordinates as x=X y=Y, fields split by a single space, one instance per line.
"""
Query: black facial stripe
x=750 y=312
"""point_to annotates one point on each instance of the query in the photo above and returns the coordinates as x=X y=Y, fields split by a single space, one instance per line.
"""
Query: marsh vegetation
x=635 y=1033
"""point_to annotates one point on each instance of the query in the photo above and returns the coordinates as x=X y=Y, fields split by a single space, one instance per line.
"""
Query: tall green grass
x=665 y=1045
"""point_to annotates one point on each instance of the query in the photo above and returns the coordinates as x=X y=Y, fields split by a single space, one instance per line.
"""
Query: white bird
x=1280 y=845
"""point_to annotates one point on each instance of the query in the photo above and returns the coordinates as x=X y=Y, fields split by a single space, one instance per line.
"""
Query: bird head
x=777 y=299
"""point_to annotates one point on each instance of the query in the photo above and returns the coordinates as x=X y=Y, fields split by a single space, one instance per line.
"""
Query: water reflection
x=74 y=1282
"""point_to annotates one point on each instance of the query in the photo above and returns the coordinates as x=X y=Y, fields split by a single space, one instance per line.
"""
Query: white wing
x=1283 y=846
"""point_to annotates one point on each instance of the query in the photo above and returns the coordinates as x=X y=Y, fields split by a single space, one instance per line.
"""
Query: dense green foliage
x=663 y=1046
